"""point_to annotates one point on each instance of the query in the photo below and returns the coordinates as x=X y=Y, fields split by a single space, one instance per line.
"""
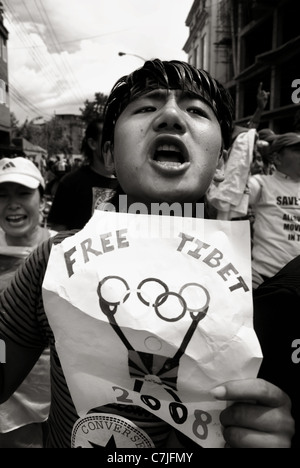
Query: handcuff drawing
x=163 y=369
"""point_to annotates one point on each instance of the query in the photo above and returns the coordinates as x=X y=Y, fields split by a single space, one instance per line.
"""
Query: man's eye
x=197 y=111
x=143 y=110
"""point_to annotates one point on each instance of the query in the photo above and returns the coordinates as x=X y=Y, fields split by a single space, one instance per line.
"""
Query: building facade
x=4 y=97
x=208 y=44
x=246 y=42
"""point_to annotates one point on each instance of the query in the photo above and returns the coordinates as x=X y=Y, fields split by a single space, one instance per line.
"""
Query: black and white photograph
x=149 y=226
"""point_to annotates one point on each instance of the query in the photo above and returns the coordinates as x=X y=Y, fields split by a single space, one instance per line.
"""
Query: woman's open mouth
x=15 y=220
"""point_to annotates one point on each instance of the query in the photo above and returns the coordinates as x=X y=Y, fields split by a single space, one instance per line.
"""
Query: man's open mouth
x=169 y=155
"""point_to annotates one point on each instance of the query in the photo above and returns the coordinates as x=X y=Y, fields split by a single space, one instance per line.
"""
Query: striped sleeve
x=22 y=316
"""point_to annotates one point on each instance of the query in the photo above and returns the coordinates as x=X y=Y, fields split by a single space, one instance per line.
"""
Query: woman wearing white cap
x=21 y=203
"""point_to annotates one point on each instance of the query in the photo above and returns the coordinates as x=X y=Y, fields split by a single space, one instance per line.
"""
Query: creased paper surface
x=154 y=311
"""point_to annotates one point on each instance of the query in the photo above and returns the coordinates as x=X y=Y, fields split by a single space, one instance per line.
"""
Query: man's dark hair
x=297 y=122
x=94 y=131
x=172 y=74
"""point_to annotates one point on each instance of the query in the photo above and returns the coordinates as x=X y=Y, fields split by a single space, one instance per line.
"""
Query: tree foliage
x=57 y=142
x=93 y=109
x=14 y=123
x=48 y=135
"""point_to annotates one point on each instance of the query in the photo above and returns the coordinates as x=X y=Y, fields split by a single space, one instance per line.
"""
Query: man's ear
x=92 y=144
x=276 y=159
x=220 y=169
x=108 y=156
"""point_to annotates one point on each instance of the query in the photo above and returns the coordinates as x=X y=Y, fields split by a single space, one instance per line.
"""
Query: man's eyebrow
x=161 y=93
x=187 y=94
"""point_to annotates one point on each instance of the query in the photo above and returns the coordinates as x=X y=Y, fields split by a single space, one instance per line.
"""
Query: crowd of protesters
x=260 y=182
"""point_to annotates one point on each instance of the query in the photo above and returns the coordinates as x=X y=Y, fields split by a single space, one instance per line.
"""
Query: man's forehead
x=164 y=92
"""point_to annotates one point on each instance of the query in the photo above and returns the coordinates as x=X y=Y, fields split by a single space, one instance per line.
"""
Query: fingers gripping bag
x=154 y=311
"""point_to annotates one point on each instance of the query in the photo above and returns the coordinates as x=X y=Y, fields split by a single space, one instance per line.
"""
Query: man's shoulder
x=61 y=236
x=86 y=175
x=77 y=174
x=262 y=181
x=260 y=178
x=284 y=284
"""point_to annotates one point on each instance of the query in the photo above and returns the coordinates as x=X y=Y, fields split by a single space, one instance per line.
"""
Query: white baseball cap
x=20 y=171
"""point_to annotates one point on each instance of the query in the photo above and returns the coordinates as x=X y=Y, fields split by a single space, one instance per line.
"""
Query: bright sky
x=62 y=52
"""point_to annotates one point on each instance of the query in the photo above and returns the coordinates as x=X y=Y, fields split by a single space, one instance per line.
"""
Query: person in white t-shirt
x=275 y=200
x=23 y=417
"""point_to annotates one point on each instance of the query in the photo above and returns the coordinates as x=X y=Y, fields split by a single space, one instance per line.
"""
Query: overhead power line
x=25 y=103
x=57 y=74
x=59 y=50
x=43 y=66
x=74 y=41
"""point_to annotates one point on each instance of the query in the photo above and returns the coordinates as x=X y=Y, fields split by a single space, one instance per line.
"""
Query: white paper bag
x=154 y=311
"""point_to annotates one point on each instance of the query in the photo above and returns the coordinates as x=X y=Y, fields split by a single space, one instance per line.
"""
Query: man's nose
x=170 y=118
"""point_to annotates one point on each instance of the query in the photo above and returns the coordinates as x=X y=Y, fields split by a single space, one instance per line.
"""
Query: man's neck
x=293 y=177
x=100 y=169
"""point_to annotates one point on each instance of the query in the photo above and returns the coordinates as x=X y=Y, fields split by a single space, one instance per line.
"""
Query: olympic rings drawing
x=117 y=291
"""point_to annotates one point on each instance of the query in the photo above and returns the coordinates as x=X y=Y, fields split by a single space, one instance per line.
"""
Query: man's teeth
x=172 y=148
x=169 y=154
x=169 y=163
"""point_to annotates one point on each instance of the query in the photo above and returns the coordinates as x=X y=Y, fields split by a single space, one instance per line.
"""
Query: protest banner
x=161 y=312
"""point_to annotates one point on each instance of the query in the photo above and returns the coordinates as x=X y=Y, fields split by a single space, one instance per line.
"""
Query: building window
x=195 y=61
x=4 y=50
x=3 y=92
x=7 y=95
x=204 y=63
